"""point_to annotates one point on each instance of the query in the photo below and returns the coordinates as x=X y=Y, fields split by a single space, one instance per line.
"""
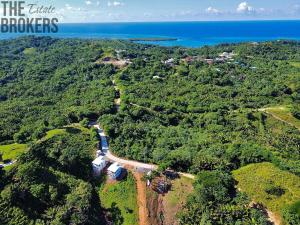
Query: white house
x=170 y=62
x=227 y=55
x=98 y=165
x=114 y=171
x=224 y=55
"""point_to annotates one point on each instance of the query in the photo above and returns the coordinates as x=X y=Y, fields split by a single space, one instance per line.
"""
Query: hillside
x=190 y=110
x=270 y=186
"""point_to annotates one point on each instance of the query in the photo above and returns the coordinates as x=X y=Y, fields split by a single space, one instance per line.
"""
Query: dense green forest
x=52 y=183
x=186 y=115
x=199 y=116
x=46 y=83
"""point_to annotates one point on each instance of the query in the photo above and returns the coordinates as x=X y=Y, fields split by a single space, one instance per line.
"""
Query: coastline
x=152 y=39
x=185 y=34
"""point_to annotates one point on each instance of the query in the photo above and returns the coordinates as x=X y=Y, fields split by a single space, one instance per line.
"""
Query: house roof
x=114 y=167
x=98 y=161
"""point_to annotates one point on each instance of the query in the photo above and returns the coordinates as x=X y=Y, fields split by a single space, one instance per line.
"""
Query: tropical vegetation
x=177 y=110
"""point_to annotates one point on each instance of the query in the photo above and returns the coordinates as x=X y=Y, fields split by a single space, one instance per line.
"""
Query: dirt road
x=265 y=110
x=136 y=164
x=141 y=198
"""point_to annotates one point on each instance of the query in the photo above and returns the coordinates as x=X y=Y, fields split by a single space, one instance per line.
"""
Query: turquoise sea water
x=188 y=34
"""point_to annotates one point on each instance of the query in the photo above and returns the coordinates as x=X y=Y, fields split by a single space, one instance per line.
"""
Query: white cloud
x=146 y=14
x=184 y=13
x=88 y=2
x=68 y=7
x=116 y=16
x=245 y=8
x=212 y=10
x=98 y=3
x=296 y=9
x=115 y=4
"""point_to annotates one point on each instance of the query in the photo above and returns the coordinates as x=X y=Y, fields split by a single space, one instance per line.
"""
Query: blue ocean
x=187 y=34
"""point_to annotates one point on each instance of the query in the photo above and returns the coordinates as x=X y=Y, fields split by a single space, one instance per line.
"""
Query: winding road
x=125 y=162
x=136 y=168
x=135 y=164
x=111 y=157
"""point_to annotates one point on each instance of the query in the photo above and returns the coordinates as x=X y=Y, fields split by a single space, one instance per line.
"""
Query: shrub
x=275 y=190
x=296 y=111
x=291 y=214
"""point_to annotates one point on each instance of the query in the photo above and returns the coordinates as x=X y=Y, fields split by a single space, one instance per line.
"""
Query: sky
x=72 y=11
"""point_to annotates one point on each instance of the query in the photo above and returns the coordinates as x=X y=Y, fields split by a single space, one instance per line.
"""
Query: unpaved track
x=141 y=198
x=265 y=110
x=132 y=163
x=273 y=218
x=188 y=175
x=134 y=167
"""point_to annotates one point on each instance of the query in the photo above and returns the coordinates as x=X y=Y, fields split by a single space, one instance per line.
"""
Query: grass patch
x=77 y=126
x=74 y=128
x=108 y=53
x=295 y=64
x=175 y=199
x=8 y=168
x=11 y=152
x=29 y=51
x=50 y=134
x=269 y=185
x=119 y=198
x=284 y=113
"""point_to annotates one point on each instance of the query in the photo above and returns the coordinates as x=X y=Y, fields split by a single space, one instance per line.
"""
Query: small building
x=98 y=165
x=224 y=55
x=114 y=171
x=227 y=55
x=170 y=62
x=220 y=60
x=254 y=43
x=209 y=61
x=188 y=59
x=118 y=53
x=191 y=59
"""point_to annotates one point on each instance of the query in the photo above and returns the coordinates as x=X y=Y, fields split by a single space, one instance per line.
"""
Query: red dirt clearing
x=141 y=198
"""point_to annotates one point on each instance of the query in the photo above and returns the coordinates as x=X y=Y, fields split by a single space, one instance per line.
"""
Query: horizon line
x=184 y=21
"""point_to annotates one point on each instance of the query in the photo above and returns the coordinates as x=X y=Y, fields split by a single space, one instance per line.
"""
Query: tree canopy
x=177 y=109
